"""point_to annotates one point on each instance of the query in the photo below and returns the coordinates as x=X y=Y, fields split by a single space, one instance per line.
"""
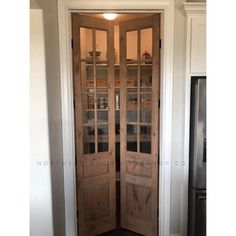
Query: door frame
x=65 y=8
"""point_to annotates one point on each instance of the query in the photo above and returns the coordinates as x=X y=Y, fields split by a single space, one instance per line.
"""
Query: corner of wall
x=50 y=9
x=177 y=171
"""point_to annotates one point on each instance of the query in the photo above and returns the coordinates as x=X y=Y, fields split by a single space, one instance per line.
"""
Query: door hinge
x=72 y=43
x=160 y=44
x=74 y=103
x=159 y=103
x=76 y=160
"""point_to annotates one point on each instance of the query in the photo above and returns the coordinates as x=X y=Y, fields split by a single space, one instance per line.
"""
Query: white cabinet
x=196 y=38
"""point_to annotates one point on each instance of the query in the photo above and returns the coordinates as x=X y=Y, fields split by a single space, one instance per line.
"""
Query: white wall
x=177 y=180
x=54 y=112
x=41 y=219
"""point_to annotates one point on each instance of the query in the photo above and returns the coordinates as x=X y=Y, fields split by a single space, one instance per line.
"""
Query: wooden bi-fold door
x=140 y=82
x=94 y=123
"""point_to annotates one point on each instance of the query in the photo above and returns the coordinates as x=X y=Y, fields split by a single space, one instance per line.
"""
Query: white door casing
x=65 y=8
x=195 y=52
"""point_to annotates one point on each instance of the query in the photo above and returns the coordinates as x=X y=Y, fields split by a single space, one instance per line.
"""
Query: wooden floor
x=120 y=232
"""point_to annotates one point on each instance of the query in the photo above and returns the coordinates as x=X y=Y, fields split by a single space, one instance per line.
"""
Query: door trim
x=166 y=7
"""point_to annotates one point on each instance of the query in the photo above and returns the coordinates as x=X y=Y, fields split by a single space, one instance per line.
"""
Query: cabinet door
x=93 y=74
x=140 y=65
x=198 y=44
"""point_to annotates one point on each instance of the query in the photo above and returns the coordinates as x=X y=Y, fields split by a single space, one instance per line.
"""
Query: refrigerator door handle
x=201 y=197
x=204 y=151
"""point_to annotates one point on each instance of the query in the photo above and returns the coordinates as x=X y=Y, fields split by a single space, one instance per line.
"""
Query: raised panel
x=139 y=83
x=95 y=168
x=138 y=200
x=198 y=45
x=94 y=123
x=96 y=199
x=139 y=168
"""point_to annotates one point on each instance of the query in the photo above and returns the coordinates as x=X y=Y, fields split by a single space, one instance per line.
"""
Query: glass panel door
x=139 y=90
x=93 y=72
x=139 y=123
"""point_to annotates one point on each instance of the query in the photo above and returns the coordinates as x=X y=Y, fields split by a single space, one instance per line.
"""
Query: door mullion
x=95 y=89
x=138 y=84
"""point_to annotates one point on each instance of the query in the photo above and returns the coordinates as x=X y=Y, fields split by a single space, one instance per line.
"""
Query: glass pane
x=86 y=44
x=132 y=57
x=131 y=116
x=102 y=116
x=90 y=118
x=88 y=140
x=101 y=75
x=132 y=98
x=145 y=116
x=101 y=46
x=117 y=127
x=131 y=129
x=146 y=101
x=132 y=42
x=117 y=113
x=132 y=76
x=117 y=99
x=146 y=45
x=102 y=100
x=103 y=138
x=132 y=138
x=90 y=101
x=102 y=91
x=145 y=139
x=146 y=76
x=87 y=76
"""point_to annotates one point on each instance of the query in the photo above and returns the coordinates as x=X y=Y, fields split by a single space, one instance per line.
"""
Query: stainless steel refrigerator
x=197 y=159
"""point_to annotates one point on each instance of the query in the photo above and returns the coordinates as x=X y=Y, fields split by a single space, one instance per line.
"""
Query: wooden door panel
x=139 y=125
x=138 y=201
x=96 y=202
x=95 y=133
x=141 y=168
x=95 y=168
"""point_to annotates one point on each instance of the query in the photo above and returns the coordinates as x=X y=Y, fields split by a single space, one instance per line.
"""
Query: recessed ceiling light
x=110 y=16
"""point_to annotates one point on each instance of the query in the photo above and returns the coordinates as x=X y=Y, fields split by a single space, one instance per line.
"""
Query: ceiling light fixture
x=110 y=16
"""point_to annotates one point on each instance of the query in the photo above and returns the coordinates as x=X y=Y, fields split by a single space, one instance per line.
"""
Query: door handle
x=201 y=197
x=204 y=150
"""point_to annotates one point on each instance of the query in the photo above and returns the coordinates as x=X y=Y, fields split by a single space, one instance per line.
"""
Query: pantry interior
x=116 y=70
x=101 y=80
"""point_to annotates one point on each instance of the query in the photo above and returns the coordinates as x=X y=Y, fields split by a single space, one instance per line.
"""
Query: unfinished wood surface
x=96 y=170
x=95 y=88
x=90 y=22
x=139 y=171
x=123 y=72
x=138 y=84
